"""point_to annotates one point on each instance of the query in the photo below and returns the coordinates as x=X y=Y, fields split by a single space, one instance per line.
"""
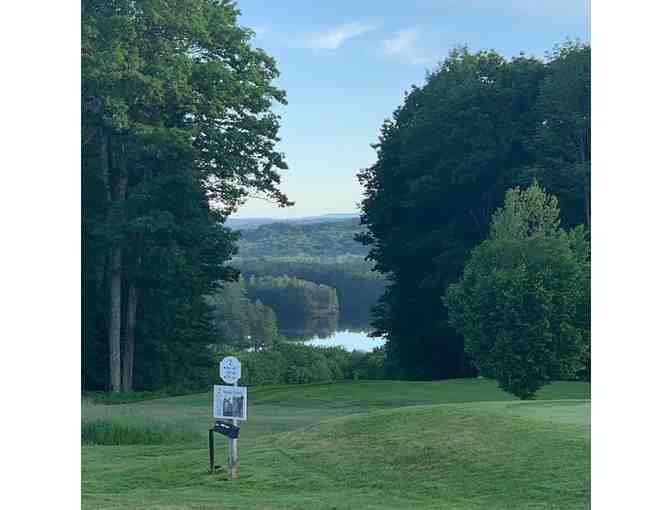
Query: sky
x=346 y=64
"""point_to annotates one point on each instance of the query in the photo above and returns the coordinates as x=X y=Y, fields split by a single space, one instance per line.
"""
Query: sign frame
x=237 y=407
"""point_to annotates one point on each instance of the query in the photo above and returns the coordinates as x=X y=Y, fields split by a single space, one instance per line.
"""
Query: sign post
x=229 y=406
x=233 y=455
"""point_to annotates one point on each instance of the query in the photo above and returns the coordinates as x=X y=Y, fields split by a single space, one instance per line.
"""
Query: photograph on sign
x=230 y=402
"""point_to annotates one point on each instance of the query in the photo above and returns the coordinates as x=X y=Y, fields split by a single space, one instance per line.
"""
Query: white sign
x=229 y=370
x=230 y=402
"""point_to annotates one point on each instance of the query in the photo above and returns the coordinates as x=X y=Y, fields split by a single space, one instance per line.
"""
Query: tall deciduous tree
x=523 y=303
x=562 y=141
x=445 y=160
x=174 y=99
x=478 y=126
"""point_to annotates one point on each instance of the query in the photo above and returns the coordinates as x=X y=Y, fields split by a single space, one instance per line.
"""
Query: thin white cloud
x=404 y=46
x=333 y=38
x=402 y=43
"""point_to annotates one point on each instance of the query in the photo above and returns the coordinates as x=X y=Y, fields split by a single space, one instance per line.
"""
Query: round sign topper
x=229 y=370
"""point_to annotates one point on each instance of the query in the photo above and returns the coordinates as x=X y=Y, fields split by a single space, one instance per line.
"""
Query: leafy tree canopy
x=177 y=132
x=523 y=302
x=480 y=125
x=445 y=160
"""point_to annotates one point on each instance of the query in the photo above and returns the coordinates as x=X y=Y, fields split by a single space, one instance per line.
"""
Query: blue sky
x=345 y=65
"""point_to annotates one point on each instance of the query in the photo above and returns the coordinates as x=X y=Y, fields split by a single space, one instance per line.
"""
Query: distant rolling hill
x=252 y=223
x=306 y=238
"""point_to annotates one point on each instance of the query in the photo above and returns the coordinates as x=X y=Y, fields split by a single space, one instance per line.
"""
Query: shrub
x=368 y=365
x=296 y=363
x=339 y=361
x=305 y=364
x=262 y=367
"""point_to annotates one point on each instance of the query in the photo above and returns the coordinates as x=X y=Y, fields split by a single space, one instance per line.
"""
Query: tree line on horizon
x=326 y=242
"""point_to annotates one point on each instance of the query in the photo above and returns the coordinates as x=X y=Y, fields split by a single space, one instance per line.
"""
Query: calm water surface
x=349 y=340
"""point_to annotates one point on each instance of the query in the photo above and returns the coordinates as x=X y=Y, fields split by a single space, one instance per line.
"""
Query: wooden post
x=233 y=457
x=211 y=442
x=233 y=452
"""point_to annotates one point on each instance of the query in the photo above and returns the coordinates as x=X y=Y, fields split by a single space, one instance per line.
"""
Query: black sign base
x=230 y=431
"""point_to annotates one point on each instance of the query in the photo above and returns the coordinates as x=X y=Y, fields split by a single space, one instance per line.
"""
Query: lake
x=348 y=332
x=349 y=340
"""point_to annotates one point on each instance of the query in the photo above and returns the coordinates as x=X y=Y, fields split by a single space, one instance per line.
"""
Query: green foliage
x=293 y=300
x=444 y=162
x=325 y=241
x=305 y=364
x=297 y=363
x=523 y=301
x=176 y=116
x=339 y=361
x=240 y=322
x=357 y=286
x=173 y=341
x=561 y=142
x=369 y=365
x=526 y=213
x=182 y=76
x=263 y=368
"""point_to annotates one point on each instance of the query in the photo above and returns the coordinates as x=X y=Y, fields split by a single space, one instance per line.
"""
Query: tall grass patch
x=133 y=432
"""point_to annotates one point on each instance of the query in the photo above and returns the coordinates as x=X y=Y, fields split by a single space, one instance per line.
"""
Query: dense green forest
x=480 y=125
x=294 y=301
x=323 y=253
x=331 y=241
x=357 y=286
x=241 y=322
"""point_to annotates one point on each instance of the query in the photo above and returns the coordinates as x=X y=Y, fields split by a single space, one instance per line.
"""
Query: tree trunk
x=116 y=194
x=586 y=194
x=131 y=310
x=114 y=331
x=129 y=345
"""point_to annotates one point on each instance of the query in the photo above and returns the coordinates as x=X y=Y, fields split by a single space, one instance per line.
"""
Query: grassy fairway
x=367 y=445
